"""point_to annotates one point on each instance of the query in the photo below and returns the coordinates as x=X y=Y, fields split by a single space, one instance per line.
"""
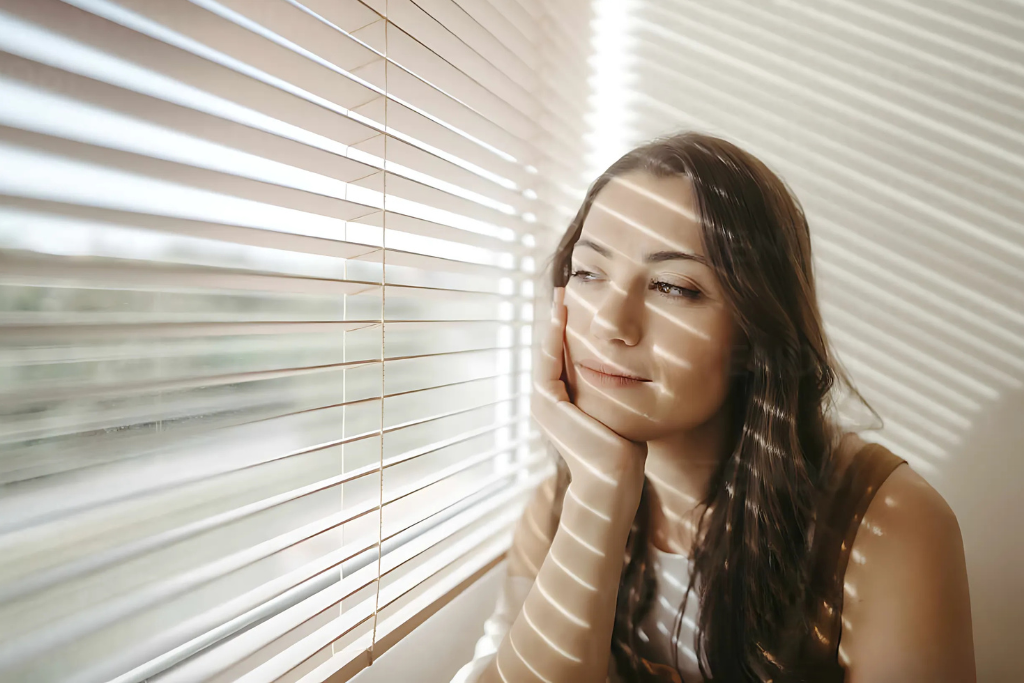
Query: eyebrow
x=655 y=257
x=603 y=251
x=659 y=256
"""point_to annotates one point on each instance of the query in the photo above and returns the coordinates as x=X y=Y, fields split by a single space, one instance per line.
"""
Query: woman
x=709 y=520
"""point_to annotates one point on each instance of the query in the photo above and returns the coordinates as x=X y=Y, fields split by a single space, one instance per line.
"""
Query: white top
x=655 y=633
x=672 y=573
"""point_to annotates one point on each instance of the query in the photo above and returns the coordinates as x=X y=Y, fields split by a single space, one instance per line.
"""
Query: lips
x=608 y=376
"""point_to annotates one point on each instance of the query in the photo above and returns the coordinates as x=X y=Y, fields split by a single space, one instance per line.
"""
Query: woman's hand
x=594 y=453
x=562 y=632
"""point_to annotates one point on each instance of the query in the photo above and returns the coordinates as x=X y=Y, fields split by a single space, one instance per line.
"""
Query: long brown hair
x=751 y=551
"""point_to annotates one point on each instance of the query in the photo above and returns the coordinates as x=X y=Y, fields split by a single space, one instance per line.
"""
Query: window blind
x=266 y=299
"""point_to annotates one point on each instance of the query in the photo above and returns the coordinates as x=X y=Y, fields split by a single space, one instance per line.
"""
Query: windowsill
x=437 y=648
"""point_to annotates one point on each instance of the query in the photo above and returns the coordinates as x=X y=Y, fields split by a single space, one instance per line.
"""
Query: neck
x=679 y=468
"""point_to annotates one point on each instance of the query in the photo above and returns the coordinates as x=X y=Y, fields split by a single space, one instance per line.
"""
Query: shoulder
x=907 y=521
x=906 y=608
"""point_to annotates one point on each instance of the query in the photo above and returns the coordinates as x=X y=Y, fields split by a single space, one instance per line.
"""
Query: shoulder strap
x=841 y=510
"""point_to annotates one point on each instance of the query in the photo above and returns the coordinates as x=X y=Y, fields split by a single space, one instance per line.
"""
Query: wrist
x=613 y=501
x=619 y=481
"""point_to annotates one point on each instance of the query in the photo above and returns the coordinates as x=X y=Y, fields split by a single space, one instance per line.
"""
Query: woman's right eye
x=583 y=275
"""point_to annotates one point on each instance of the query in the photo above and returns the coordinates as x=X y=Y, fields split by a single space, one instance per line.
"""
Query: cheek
x=706 y=364
x=695 y=368
x=577 y=327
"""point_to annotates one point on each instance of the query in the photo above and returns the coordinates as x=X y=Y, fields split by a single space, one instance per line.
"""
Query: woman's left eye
x=674 y=290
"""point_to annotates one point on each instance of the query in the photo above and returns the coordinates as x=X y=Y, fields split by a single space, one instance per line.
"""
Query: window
x=267 y=273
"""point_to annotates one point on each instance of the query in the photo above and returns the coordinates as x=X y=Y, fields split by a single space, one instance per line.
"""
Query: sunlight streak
x=594 y=549
x=665 y=489
x=522 y=659
x=558 y=606
x=588 y=508
x=551 y=643
x=671 y=357
x=677 y=322
x=570 y=572
x=563 y=448
x=598 y=431
x=675 y=608
x=674 y=582
x=501 y=674
x=683 y=211
x=594 y=350
x=639 y=226
x=614 y=400
x=534 y=527
x=527 y=561
x=571 y=294
x=545 y=392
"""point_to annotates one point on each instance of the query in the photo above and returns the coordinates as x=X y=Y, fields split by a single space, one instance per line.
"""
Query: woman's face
x=649 y=335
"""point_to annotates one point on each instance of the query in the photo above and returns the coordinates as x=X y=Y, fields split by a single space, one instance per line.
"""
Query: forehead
x=639 y=213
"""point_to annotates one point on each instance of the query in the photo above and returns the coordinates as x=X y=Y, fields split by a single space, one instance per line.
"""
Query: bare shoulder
x=915 y=516
x=534 y=532
x=906 y=609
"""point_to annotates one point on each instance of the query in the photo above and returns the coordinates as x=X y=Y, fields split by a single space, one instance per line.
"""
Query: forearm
x=563 y=633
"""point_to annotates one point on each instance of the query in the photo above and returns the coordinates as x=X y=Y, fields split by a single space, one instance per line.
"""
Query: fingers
x=588 y=446
x=549 y=365
x=564 y=423
x=546 y=394
x=549 y=389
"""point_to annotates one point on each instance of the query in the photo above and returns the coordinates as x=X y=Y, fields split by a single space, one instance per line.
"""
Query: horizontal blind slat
x=40 y=580
x=497 y=98
x=410 y=54
x=290 y=105
x=18 y=508
x=231 y=652
x=76 y=625
x=305 y=44
x=431 y=21
x=396 y=533
x=177 y=134
x=289 y=659
x=272 y=629
x=290 y=189
x=82 y=42
x=225 y=620
x=461 y=466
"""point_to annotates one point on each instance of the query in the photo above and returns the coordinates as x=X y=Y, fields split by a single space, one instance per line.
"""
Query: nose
x=619 y=317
